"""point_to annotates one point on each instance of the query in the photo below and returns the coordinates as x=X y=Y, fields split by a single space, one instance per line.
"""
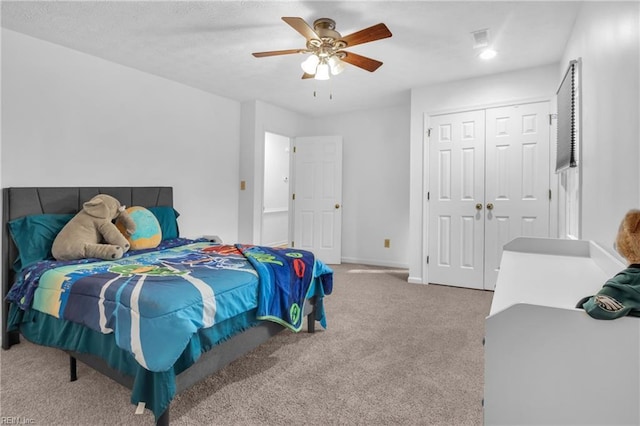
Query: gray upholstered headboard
x=18 y=202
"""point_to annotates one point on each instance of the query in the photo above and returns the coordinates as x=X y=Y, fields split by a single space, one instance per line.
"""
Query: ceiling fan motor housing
x=325 y=28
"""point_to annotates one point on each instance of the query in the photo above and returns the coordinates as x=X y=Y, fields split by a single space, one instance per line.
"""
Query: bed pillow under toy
x=167 y=216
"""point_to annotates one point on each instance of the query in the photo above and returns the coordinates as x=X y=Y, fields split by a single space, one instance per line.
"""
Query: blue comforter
x=154 y=301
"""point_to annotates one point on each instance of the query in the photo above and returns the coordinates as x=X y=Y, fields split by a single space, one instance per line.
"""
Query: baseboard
x=415 y=280
x=375 y=263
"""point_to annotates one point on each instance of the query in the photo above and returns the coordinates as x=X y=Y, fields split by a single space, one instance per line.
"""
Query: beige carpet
x=393 y=353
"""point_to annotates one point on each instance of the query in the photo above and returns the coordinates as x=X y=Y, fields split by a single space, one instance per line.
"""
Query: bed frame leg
x=163 y=420
x=9 y=338
x=73 y=372
x=311 y=322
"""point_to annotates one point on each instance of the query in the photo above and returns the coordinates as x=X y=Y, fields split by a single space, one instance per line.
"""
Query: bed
x=158 y=320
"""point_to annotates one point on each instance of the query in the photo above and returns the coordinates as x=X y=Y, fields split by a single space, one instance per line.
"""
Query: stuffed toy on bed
x=92 y=234
x=620 y=295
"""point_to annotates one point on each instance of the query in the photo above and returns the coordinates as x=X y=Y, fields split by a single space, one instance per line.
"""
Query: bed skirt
x=155 y=389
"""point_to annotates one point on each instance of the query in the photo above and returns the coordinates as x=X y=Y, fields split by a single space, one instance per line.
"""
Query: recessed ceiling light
x=488 y=54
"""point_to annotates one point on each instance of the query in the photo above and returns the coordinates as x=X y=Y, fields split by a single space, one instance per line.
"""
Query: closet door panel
x=456 y=227
x=517 y=179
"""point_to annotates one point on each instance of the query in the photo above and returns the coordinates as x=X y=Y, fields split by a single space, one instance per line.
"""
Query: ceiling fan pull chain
x=330 y=90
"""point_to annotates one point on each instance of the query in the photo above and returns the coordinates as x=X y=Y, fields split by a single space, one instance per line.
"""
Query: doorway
x=302 y=194
x=276 y=190
x=488 y=183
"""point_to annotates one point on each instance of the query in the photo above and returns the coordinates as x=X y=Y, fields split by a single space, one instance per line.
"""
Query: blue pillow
x=33 y=236
x=167 y=216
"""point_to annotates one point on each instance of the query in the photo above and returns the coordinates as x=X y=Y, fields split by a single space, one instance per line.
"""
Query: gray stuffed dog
x=92 y=234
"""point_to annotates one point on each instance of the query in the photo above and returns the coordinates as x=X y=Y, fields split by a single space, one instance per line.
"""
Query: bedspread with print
x=286 y=276
x=153 y=302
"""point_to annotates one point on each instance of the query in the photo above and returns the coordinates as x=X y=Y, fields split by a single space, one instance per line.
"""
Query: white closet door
x=517 y=179
x=456 y=226
x=489 y=183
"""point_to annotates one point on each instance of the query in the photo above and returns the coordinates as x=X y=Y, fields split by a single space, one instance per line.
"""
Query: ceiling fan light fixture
x=310 y=64
x=336 y=65
x=322 y=72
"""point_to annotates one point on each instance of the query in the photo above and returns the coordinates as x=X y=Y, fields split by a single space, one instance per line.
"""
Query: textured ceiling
x=208 y=44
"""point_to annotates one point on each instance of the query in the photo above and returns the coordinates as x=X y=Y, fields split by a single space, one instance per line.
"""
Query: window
x=568 y=119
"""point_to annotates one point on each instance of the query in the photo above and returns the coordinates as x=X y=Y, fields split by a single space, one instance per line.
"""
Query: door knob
x=337 y=206
x=489 y=206
x=478 y=206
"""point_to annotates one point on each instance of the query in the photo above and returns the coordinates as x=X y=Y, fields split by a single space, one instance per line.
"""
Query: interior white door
x=517 y=179
x=318 y=196
x=456 y=176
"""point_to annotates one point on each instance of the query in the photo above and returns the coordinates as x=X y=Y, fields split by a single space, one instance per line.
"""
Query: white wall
x=375 y=176
x=375 y=183
x=606 y=36
x=70 y=119
x=258 y=118
x=58 y=102
x=538 y=83
x=66 y=115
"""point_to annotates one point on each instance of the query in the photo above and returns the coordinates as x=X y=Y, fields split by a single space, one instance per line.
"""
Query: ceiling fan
x=326 y=47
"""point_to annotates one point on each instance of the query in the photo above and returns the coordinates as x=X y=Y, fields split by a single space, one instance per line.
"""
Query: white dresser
x=546 y=362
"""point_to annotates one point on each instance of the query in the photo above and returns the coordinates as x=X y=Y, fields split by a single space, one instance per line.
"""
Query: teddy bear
x=92 y=234
x=620 y=295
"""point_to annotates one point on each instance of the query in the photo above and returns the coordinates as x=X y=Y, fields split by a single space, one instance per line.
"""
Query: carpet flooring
x=393 y=353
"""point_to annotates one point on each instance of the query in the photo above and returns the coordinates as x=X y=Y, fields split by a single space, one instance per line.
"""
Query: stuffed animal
x=148 y=233
x=92 y=234
x=620 y=295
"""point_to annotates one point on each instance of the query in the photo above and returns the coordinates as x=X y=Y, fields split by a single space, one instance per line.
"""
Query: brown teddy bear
x=91 y=232
x=620 y=295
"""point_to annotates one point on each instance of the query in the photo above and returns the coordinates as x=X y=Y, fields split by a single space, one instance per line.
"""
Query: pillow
x=148 y=233
x=167 y=216
x=33 y=236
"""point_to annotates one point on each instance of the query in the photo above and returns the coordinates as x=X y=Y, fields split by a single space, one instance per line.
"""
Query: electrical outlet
x=387 y=243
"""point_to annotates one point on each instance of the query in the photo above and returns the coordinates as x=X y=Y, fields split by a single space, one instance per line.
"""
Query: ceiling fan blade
x=306 y=75
x=373 y=33
x=277 y=52
x=302 y=27
x=361 y=61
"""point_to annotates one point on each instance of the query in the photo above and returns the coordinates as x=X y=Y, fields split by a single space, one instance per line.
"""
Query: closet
x=488 y=182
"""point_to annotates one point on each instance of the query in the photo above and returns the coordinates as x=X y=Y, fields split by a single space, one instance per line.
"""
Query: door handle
x=337 y=206
x=479 y=206
x=489 y=206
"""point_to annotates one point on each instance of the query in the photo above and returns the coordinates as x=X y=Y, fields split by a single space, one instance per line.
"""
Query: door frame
x=553 y=178
x=290 y=178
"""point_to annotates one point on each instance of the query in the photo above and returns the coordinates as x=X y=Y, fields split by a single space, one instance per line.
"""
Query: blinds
x=567 y=140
